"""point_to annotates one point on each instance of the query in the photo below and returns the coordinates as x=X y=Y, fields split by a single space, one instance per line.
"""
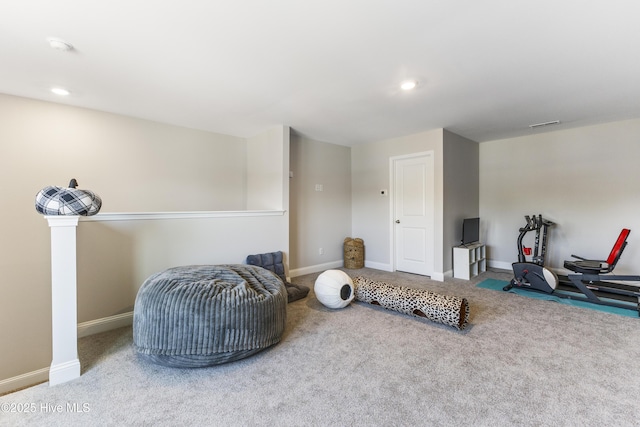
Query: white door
x=414 y=214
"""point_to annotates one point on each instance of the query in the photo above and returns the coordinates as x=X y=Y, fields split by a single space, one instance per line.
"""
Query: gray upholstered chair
x=274 y=262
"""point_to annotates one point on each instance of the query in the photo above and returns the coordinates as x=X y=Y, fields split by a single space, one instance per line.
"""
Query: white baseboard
x=105 y=324
x=336 y=264
x=84 y=330
x=439 y=277
x=378 y=266
x=24 y=380
x=315 y=268
x=500 y=264
x=64 y=372
x=388 y=267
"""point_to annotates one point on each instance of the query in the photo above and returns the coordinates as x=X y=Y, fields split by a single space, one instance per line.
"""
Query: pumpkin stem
x=73 y=183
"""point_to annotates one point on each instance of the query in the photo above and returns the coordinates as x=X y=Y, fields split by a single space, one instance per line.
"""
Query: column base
x=62 y=372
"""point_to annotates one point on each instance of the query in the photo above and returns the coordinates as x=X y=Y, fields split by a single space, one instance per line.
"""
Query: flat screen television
x=470 y=230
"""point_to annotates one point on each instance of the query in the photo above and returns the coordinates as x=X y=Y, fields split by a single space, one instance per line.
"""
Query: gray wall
x=134 y=165
x=584 y=179
x=456 y=192
x=371 y=212
x=318 y=219
x=461 y=189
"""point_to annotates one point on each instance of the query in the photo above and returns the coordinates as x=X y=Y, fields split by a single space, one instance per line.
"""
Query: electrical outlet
x=319 y=187
x=321 y=251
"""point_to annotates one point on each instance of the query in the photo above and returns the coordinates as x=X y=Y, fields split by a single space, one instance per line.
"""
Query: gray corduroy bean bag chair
x=197 y=316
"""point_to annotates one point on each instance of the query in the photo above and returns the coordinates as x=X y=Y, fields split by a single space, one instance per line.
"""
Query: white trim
x=105 y=324
x=392 y=214
x=64 y=371
x=62 y=220
x=500 y=264
x=138 y=216
x=379 y=266
x=437 y=277
x=316 y=268
x=25 y=380
x=65 y=365
x=84 y=330
x=336 y=264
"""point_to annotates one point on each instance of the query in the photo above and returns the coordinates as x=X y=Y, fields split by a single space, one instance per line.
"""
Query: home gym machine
x=533 y=274
x=590 y=280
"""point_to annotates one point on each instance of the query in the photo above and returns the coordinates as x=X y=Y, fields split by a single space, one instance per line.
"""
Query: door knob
x=397 y=221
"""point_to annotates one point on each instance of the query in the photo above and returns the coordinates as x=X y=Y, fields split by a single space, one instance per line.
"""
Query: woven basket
x=353 y=253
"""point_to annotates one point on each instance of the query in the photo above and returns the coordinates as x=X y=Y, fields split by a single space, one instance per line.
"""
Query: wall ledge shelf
x=139 y=216
x=65 y=364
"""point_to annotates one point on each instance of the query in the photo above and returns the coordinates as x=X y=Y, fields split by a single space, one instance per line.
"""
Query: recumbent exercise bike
x=591 y=278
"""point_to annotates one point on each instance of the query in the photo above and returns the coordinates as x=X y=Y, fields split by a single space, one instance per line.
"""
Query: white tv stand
x=469 y=260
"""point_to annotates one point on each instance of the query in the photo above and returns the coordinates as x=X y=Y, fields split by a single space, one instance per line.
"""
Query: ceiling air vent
x=537 y=125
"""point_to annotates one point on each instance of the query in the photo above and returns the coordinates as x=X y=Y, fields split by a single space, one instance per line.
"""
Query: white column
x=65 y=365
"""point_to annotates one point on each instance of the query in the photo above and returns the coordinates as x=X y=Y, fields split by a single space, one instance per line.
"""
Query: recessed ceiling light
x=60 y=45
x=60 y=91
x=409 y=85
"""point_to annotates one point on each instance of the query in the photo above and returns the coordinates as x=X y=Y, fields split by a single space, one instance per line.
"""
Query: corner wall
x=461 y=189
x=319 y=219
x=371 y=211
x=136 y=166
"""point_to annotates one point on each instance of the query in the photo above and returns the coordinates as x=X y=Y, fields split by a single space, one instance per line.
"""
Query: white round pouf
x=334 y=289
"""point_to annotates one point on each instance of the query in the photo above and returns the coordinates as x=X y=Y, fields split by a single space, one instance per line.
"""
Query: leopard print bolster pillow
x=448 y=310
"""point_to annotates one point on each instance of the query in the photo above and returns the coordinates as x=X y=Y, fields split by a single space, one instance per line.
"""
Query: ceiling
x=331 y=69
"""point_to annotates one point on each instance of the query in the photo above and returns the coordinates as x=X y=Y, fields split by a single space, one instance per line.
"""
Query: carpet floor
x=520 y=362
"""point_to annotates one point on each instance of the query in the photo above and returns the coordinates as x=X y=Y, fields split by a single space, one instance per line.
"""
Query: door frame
x=392 y=205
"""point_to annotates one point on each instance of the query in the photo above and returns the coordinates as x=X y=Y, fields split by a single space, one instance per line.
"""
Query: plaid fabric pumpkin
x=67 y=201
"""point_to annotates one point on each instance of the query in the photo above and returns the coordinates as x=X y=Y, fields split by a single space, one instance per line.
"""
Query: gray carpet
x=520 y=362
